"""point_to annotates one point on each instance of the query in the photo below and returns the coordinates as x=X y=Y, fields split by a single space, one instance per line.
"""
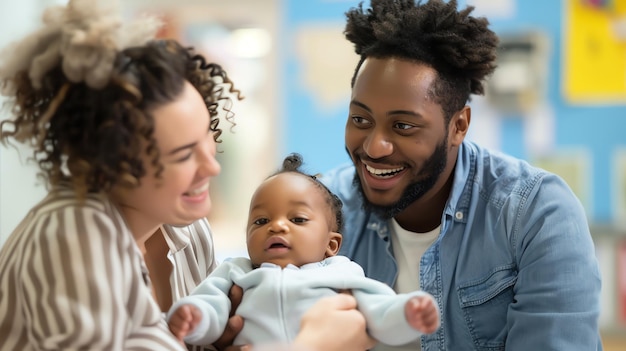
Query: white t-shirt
x=408 y=248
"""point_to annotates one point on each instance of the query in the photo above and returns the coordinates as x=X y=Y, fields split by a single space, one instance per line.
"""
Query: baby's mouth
x=277 y=246
x=276 y=243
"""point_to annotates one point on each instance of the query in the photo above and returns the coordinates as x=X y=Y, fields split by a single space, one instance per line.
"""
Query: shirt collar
x=313 y=265
x=177 y=238
x=464 y=174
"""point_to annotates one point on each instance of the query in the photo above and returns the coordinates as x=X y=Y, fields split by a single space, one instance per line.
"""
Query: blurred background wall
x=557 y=99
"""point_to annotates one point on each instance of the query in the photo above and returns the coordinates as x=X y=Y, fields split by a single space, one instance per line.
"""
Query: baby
x=293 y=239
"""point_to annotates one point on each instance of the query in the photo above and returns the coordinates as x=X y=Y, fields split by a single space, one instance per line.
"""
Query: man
x=504 y=247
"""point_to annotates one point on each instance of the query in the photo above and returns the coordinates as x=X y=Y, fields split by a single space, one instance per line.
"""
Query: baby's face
x=290 y=222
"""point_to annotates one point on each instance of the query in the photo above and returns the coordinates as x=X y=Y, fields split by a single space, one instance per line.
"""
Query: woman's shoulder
x=62 y=231
x=63 y=198
x=62 y=214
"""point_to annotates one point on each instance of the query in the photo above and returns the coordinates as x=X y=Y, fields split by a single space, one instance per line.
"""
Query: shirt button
x=459 y=215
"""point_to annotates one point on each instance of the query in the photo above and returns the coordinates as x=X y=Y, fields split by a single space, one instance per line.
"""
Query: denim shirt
x=514 y=266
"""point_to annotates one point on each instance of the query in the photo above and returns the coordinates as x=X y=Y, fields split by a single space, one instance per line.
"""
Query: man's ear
x=460 y=125
x=334 y=243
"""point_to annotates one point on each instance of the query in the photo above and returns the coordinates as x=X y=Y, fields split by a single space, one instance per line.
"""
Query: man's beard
x=429 y=174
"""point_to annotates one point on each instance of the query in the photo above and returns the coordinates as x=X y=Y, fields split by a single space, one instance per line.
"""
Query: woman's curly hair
x=461 y=48
x=293 y=163
x=96 y=135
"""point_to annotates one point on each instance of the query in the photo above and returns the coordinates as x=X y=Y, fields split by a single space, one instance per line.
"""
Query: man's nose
x=377 y=145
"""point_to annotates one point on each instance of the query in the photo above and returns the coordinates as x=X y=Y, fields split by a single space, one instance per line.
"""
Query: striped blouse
x=191 y=255
x=192 y=258
x=72 y=277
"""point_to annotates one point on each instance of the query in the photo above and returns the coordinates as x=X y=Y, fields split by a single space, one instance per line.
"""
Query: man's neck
x=424 y=215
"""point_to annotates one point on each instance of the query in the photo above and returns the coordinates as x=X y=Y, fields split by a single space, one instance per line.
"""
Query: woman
x=124 y=130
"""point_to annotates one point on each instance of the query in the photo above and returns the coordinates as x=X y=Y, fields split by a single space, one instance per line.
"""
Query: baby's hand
x=183 y=321
x=422 y=314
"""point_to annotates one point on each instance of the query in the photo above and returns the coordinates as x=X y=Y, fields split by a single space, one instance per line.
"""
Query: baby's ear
x=334 y=243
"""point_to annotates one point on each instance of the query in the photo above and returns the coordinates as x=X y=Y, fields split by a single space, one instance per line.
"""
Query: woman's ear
x=334 y=243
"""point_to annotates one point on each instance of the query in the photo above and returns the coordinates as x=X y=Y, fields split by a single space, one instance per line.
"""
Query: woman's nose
x=377 y=145
x=208 y=166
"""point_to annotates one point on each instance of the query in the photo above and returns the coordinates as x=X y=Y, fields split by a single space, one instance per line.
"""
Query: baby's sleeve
x=383 y=310
x=211 y=299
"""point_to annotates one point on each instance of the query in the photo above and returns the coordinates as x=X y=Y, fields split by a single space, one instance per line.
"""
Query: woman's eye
x=184 y=158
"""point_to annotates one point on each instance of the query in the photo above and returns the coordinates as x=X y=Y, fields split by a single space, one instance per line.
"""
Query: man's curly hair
x=461 y=48
x=95 y=138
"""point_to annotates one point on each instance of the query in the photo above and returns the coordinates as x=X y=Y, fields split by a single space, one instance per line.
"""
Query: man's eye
x=359 y=120
x=404 y=126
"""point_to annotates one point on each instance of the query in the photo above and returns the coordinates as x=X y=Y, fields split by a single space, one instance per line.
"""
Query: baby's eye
x=260 y=221
x=299 y=220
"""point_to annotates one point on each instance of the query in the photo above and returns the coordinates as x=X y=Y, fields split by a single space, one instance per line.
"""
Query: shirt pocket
x=485 y=303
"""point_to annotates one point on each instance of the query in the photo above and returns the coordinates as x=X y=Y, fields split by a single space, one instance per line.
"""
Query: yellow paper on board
x=594 y=55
